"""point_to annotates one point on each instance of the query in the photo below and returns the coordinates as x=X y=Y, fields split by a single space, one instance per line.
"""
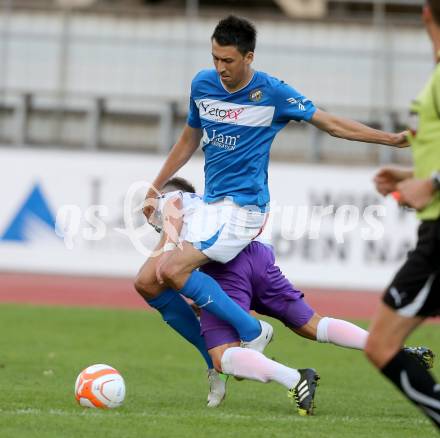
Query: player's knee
x=144 y=288
x=140 y=286
x=170 y=273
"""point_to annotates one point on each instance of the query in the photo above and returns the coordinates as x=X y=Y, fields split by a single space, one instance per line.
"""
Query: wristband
x=397 y=196
x=169 y=246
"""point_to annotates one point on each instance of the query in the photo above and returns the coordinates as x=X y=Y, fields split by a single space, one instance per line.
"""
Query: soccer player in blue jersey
x=236 y=112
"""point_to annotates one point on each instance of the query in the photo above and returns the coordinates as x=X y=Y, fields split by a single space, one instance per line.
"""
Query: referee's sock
x=208 y=294
x=178 y=314
x=416 y=383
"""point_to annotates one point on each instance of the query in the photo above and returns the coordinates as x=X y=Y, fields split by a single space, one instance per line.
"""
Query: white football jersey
x=190 y=202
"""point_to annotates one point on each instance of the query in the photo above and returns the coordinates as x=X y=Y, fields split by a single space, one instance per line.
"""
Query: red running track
x=119 y=293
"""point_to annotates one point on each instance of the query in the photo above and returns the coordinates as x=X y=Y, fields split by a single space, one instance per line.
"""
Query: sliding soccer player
x=236 y=112
x=254 y=281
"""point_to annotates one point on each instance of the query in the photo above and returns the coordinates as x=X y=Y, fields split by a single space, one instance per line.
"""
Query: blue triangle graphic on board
x=34 y=208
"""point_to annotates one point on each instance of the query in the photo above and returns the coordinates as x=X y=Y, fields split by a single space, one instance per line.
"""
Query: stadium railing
x=365 y=73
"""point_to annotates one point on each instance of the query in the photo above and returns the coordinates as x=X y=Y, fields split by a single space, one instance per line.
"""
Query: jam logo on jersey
x=256 y=95
x=235 y=114
x=217 y=139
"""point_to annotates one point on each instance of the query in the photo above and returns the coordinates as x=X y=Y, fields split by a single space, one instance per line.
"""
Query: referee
x=414 y=294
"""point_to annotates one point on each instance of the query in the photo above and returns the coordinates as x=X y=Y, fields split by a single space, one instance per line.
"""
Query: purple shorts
x=254 y=282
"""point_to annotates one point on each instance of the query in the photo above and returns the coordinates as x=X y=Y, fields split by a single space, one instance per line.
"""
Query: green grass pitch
x=43 y=349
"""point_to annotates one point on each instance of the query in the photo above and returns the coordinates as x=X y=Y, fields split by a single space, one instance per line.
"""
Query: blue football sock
x=208 y=294
x=178 y=314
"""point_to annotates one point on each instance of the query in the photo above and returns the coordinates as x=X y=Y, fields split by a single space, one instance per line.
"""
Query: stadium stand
x=95 y=74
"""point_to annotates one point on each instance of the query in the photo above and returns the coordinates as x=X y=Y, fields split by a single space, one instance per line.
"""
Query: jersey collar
x=240 y=89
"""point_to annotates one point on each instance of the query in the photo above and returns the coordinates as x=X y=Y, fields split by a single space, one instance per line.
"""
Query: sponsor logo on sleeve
x=300 y=104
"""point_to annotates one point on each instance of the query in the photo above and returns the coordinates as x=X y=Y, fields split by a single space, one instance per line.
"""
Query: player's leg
x=233 y=277
x=295 y=314
x=413 y=295
x=217 y=232
x=179 y=315
x=174 y=310
x=222 y=340
x=217 y=391
x=387 y=333
x=383 y=349
x=327 y=330
x=276 y=297
x=216 y=353
x=217 y=388
x=345 y=334
x=146 y=283
x=179 y=272
x=243 y=363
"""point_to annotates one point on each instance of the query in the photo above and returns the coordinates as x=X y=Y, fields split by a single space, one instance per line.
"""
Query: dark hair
x=237 y=32
x=435 y=9
x=180 y=184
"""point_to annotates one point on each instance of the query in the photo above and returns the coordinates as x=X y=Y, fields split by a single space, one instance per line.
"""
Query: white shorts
x=223 y=229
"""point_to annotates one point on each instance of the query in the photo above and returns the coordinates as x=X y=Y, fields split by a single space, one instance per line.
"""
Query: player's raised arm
x=172 y=214
x=351 y=130
x=180 y=153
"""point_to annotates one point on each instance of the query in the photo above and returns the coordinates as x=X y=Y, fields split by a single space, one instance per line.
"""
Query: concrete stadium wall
x=345 y=65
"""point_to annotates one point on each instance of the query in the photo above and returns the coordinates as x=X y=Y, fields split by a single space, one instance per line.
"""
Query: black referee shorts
x=415 y=290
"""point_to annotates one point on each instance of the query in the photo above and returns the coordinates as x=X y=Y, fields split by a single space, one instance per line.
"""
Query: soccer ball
x=100 y=386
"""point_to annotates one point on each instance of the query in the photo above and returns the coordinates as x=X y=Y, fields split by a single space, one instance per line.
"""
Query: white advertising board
x=328 y=226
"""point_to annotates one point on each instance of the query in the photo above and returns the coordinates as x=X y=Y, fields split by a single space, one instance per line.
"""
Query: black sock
x=416 y=383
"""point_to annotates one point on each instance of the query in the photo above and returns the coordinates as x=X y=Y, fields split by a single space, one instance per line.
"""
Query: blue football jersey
x=238 y=131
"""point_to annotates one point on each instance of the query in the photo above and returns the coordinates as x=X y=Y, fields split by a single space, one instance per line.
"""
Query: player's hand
x=400 y=139
x=416 y=193
x=150 y=203
x=387 y=178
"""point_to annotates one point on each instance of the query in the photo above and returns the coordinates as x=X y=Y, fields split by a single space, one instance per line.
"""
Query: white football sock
x=250 y=364
x=340 y=332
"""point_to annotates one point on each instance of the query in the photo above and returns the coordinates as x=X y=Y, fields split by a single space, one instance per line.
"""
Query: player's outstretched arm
x=179 y=155
x=351 y=130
